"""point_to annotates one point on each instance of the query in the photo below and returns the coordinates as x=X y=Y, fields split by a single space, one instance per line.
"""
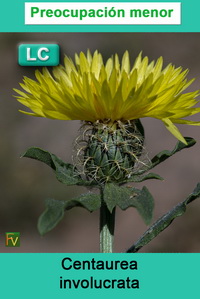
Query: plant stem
x=107 y=225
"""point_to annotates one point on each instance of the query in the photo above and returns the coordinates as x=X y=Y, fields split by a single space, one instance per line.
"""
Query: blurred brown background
x=25 y=183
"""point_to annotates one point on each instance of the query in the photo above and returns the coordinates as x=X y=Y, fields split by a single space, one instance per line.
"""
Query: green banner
x=95 y=275
x=13 y=17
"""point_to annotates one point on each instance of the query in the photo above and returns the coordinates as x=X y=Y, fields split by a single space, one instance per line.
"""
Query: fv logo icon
x=12 y=239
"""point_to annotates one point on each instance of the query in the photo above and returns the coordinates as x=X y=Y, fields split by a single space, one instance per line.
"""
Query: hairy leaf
x=163 y=222
x=55 y=209
x=51 y=216
x=125 y=197
x=142 y=178
x=162 y=156
x=65 y=173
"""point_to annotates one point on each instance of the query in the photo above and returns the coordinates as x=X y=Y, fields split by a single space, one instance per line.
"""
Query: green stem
x=107 y=225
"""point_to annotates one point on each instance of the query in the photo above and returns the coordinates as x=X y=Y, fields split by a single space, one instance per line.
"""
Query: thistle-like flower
x=111 y=98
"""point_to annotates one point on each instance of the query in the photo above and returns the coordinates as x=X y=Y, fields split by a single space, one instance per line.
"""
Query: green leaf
x=55 y=209
x=144 y=203
x=159 y=158
x=162 y=156
x=142 y=178
x=65 y=173
x=115 y=196
x=51 y=216
x=89 y=201
x=163 y=222
x=125 y=197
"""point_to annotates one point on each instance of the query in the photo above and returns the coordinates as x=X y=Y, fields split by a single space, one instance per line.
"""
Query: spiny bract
x=110 y=151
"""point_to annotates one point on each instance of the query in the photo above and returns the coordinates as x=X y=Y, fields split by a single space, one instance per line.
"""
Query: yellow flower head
x=91 y=90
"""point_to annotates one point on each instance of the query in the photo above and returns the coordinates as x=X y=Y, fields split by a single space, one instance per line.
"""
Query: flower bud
x=111 y=150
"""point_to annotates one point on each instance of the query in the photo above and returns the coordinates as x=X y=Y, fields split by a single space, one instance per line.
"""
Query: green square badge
x=38 y=54
x=12 y=239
